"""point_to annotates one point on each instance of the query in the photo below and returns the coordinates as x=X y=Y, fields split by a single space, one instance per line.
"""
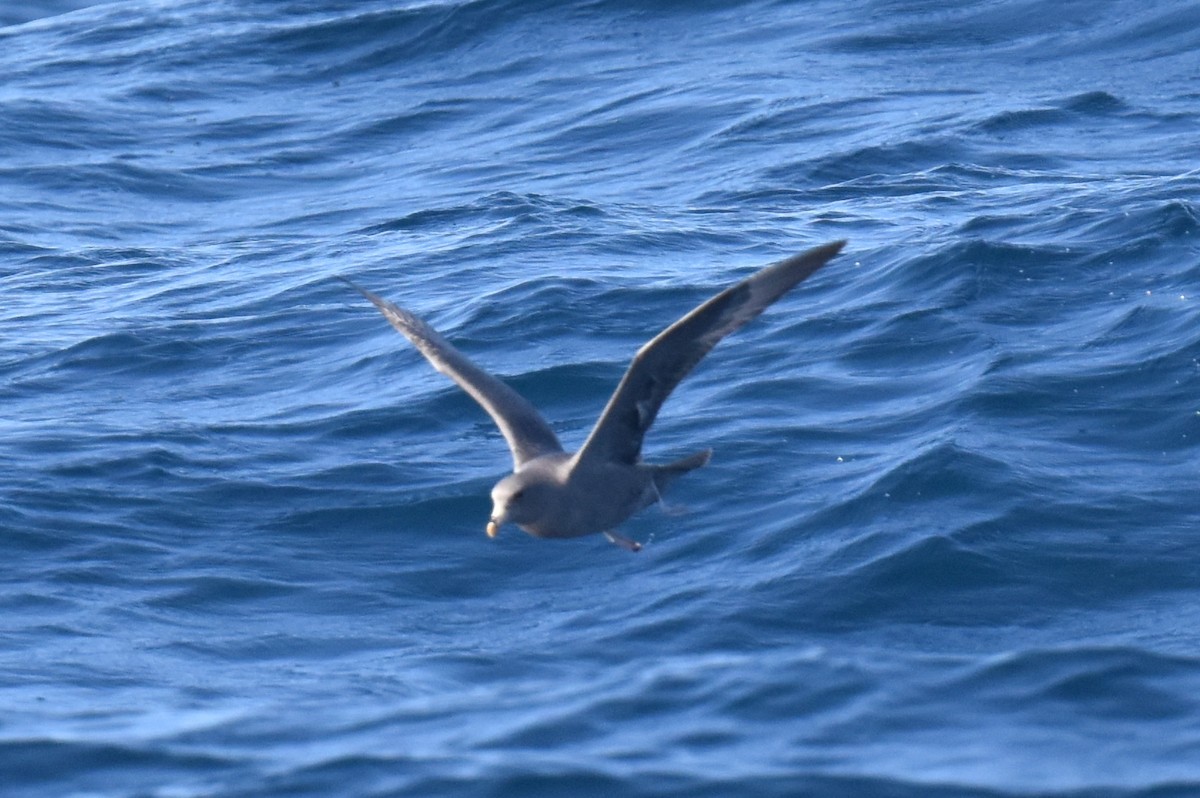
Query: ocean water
x=948 y=545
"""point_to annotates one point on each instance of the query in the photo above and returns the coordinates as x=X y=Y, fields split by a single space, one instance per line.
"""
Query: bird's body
x=555 y=494
x=550 y=482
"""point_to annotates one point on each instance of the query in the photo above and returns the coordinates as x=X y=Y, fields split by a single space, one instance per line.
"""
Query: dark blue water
x=948 y=545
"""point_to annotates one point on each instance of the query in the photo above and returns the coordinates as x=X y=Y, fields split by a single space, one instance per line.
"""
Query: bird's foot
x=623 y=542
x=673 y=510
x=667 y=509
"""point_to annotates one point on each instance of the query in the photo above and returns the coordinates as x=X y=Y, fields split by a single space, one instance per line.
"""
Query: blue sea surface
x=948 y=544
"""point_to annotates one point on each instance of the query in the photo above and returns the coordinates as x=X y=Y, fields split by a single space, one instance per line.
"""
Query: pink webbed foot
x=623 y=542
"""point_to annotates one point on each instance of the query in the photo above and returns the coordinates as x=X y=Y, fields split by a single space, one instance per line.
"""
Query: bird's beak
x=493 y=527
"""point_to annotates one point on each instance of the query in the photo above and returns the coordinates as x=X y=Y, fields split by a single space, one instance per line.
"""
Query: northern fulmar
x=554 y=494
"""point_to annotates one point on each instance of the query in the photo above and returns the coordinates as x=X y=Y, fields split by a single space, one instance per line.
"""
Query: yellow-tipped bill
x=493 y=529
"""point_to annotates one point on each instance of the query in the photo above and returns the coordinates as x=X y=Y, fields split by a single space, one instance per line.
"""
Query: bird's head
x=519 y=498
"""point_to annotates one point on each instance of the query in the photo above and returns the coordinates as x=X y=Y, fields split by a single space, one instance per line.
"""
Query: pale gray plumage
x=552 y=494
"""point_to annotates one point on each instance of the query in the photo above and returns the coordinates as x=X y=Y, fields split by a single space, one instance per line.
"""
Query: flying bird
x=552 y=493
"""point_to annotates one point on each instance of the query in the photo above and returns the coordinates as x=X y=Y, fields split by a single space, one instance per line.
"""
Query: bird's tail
x=664 y=475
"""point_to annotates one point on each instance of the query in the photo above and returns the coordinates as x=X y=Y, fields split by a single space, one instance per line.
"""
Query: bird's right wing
x=527 y=433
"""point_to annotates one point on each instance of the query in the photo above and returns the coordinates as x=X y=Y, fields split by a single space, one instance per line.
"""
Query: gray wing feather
x=527 y=433
x=662 y=363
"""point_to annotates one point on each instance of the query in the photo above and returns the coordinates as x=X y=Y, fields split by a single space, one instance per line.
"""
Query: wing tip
x=827 y=250
x=379 y=302
x=799 y=266
x=352 y=283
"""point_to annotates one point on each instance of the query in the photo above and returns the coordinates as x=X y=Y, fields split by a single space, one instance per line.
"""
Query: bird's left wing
x=660 y=365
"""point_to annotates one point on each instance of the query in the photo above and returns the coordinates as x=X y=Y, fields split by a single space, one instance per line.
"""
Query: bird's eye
x=516 y=497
